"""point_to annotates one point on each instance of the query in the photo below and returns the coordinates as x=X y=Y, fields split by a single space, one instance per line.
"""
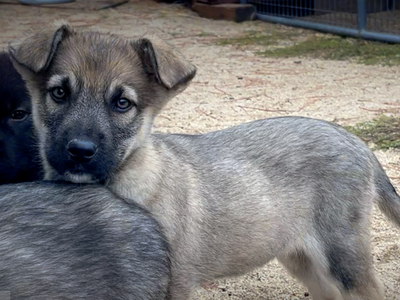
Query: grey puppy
x=63 y=241
x=296 y=189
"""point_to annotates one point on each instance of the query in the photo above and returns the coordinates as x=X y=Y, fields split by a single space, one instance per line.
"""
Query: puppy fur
x=19 y=157
x=297 y=189
x=63 y=241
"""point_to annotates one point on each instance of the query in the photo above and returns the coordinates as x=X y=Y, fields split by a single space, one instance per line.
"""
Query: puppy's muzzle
x=81 y=150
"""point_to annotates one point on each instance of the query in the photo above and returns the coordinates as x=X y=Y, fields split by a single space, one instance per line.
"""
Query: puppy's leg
x=309 y=269
x=367 y=285
x=178 y=292
x=336 y=268
x=347 y=251
x=180 y=285
x=372 y=289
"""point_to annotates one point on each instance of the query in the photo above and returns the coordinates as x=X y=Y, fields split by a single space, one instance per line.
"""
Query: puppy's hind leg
x=366 y=285
x=346 y=246
x=336 y=268
x=309 y=270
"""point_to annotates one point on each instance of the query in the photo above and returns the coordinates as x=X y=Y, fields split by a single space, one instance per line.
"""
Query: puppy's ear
x=36 y=52
x=163 y=63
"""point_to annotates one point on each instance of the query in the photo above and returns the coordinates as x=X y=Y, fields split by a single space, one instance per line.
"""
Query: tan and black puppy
x=297 y=189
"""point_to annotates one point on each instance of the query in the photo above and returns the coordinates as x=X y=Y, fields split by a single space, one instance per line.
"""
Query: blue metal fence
x=369 y=19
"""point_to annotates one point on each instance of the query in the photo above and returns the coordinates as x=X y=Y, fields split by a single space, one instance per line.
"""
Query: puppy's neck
x=140 y=175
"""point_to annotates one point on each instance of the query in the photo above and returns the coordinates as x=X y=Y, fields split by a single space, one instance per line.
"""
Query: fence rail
x=369 y=19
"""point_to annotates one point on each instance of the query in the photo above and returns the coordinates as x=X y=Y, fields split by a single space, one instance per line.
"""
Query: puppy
x=297 y=189
x=62 y=241
x=19 y=159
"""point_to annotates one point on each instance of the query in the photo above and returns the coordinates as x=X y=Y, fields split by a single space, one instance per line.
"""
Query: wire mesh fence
x=372 y=19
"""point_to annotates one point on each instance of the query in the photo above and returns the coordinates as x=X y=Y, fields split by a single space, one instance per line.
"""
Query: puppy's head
x=95 y=96
x=18 y=155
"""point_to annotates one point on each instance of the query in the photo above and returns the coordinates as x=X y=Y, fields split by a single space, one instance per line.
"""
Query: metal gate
x=369 y=19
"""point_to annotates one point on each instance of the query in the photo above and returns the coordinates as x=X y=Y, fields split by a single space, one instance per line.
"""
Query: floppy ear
x=163 y=63
x=36 y=52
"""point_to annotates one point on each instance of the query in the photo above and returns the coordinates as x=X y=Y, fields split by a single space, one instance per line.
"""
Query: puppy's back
x=78 y=242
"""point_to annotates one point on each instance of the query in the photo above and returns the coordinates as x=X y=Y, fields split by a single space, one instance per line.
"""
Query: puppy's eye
x=19 y=115
x=58 y=94
x=123 y=105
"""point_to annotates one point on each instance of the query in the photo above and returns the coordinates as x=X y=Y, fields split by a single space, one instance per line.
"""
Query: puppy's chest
x=176 y=204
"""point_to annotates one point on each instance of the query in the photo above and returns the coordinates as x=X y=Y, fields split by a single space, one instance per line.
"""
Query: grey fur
x=63 y=241
x=297 y=189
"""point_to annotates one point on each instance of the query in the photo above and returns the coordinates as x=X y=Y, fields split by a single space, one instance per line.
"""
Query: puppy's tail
x=389 y=200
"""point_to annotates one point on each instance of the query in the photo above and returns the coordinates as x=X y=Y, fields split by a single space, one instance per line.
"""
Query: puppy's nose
x=81 y=150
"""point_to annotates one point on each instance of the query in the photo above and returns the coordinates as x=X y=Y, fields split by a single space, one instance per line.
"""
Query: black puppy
x=18 y=155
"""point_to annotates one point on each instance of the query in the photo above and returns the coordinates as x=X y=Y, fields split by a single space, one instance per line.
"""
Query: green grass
x=257 y=38
x=338 y=48
x=383 y=132
x=326 y=47
x=205 y=34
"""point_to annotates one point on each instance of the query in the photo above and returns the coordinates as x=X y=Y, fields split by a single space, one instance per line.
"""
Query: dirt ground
x=234 y=86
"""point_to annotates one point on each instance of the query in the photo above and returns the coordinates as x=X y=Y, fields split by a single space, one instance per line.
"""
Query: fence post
x=361 y=15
